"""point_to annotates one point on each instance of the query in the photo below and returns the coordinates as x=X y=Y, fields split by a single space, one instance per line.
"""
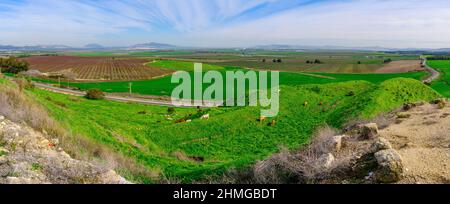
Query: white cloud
x=356 y=23
x=399 y=23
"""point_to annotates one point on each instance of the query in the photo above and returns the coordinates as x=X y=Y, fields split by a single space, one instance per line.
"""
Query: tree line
x=439 y=58
x=13 y=65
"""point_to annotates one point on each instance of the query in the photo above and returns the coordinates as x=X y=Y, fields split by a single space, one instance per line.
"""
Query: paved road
x=184 y=103
x=434 y=73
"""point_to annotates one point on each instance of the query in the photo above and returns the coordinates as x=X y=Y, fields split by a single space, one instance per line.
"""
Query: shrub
x=170 y=110
x=13 y=65
x=95 y=94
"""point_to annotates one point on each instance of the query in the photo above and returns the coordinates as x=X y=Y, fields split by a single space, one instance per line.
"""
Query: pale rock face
x=325 y=161
x=369 y=131
x=28 y=157
x=390 y=166
x=380 y=144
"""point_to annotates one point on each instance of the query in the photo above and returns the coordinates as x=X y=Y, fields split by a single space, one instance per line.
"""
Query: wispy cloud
x=400 y=23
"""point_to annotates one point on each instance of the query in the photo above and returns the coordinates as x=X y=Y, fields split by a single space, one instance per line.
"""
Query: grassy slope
x=232 y=137
x=443 y=84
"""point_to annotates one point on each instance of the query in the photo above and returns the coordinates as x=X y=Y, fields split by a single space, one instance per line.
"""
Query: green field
x=443 y=84
x=232 y=137
x=164 y=87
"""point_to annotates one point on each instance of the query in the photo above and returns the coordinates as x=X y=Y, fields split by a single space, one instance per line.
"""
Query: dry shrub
x=24 y=83
x=95 y=94
x=298 y=167
x=280 y=168
x=18 y=107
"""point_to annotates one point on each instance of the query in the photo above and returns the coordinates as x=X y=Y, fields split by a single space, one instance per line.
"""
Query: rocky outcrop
x=390 y=166
x=30 y=157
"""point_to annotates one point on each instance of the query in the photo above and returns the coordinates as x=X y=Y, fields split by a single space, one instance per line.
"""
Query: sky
x=227 y=23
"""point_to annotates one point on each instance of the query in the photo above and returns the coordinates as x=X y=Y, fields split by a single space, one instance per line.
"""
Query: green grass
x=232 y=137
x=443 y=84
x=164 y=87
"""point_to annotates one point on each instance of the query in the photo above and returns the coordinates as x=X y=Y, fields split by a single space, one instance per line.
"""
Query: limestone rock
x=325 y=161
x=369 y=131
x=335 y=143
x=390 y=166
x=380 y=144
x=28 y=157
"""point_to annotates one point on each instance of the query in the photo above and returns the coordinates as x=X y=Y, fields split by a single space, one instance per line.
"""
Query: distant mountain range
x=92 y=46
x=154 y=46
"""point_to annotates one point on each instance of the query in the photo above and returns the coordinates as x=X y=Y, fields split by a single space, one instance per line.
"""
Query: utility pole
x=129 y=87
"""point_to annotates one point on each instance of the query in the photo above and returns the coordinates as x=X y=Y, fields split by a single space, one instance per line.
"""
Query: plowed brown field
x=97 y=68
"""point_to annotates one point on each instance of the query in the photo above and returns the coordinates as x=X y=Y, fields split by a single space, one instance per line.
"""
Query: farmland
x=443 y=84
x=330 y=62
x=232 y=137
x=163 y=86
x=97 y=68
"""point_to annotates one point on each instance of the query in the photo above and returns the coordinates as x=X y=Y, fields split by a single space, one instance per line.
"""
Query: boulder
x=325 y=161
x=390 y=166
x=369 y=131
x=335 y=143
x=2 y=117
x=3 y=160
x=380 y=144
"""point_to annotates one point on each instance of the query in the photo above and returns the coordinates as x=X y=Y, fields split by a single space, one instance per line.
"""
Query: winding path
x=184 y=103
x=434 y=73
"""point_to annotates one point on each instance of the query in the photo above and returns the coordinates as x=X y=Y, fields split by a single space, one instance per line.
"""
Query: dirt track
x=186 y=104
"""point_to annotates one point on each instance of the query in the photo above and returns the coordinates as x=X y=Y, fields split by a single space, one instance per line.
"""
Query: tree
x=13 y=65
x=95 y=94
x=170 y=110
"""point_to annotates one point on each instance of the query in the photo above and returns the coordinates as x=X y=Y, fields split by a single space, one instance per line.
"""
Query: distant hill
x=152 y=46
x=35 y=48
x=94 y=46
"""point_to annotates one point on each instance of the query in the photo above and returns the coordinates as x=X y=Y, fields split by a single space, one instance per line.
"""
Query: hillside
x=231 y=137
x=31 y=149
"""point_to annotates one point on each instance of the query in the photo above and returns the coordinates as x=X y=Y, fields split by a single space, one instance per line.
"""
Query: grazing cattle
x=262 y=118
x=205 y=117
x=273 y=123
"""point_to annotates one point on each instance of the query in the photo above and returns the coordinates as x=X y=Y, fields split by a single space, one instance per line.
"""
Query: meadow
x=442 y=85
x=232 y=138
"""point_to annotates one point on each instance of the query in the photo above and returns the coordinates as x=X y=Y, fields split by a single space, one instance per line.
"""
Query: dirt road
x=184 y=103
x=434 y=73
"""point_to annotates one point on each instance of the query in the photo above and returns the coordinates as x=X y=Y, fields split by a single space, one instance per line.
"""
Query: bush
x=95 y=94
x=171 y=110
x=13 y=65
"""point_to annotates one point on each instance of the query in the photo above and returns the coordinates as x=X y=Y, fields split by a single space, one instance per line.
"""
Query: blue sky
x=227 y=23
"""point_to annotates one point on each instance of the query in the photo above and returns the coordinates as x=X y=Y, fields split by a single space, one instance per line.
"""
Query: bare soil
x=401 y=66
x=423 y=141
